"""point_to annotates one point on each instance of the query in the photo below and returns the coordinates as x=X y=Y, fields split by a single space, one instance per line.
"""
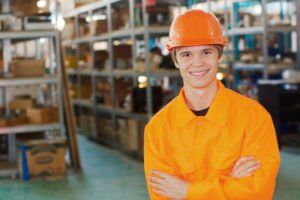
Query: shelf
x=27 y=34
x=118 y=34
x=83 y=103
x=249 y=67
x=29 y=128
x=104 y=73
x=87 y=72
x=28 y=81
x=271 y=82
x=152 y=30
x=165 y=73
x=125 y=113
x=71 y=71
x=8 y=169
x=85 y=8
x=104 y=108
x=121 y=112
x=4 y=16
x=127 y=73
x=243 y=31
x=281 y=28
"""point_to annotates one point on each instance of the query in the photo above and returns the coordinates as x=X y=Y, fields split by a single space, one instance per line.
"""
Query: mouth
x=199 y=73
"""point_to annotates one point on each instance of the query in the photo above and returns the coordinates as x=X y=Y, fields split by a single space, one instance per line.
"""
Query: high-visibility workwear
x=204 y=149
x=195 y=27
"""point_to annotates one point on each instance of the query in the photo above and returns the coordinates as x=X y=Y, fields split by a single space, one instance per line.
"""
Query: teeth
x=199 y=73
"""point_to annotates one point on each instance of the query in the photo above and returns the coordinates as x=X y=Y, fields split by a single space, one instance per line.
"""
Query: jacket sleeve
x=260 y=141
x=154 y=158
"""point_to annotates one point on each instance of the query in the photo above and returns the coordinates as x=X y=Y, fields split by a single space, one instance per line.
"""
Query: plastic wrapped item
x=291 y=75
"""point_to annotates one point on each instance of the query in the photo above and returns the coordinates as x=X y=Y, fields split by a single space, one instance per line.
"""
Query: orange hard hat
x=195 y=27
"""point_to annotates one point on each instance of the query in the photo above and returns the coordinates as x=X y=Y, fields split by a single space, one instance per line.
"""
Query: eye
x=186 y=54
x=207 y=52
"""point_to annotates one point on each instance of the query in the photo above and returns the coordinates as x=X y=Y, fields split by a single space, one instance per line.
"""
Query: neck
x=199 y=99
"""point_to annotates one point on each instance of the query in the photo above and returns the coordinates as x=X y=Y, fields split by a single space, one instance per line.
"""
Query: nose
x=198 y=60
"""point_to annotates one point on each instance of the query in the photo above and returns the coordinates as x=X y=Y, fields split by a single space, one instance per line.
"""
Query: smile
x=201 y=73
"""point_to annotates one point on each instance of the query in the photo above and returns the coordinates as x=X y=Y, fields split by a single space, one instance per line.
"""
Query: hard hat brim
x=205 y=41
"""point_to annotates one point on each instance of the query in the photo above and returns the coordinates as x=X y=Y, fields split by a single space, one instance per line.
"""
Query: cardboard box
x=43 y=115
x=17 y=121
x=85 y=124
x=1 y=60
x=21 y=104
x=24 y=7
x=44 y=158
x=28 y=68
x=129 y=132
x=3 y=122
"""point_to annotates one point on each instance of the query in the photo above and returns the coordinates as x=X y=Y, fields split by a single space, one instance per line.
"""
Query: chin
x=200 y=84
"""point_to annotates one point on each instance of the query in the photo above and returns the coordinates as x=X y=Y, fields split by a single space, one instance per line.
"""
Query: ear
x=176 y=64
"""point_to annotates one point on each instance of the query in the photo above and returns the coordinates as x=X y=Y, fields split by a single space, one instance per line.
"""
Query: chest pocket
x=224 y=159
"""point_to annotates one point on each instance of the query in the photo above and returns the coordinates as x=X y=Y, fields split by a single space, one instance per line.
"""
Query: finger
x=160 y=192
x=156 y=186
x=241 y=160
x=247 y=172
x=159 y=174
x=157 y=180
x=246 y=165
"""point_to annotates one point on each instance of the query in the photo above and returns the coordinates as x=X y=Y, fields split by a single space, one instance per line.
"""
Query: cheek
x=214 y=64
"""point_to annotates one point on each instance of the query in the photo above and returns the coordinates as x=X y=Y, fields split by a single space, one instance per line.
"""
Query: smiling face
x=198 y=65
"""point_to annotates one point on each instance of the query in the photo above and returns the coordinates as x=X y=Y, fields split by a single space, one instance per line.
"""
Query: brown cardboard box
x=122 y=51
x=3 y=122
x=128 y=133
x=21 y=104
x=133 y=135
x=28 y=68
x=45 y=157
x=1 y=60
x=17 y=121
x=79 y=3
x=43 y=115
x=86 y=122
x=24 y=7
x=86 y=92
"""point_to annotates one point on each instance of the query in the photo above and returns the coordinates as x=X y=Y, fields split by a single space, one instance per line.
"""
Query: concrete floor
x=109 y=175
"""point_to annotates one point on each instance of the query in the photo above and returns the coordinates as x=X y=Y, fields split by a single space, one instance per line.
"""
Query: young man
x=209 y=142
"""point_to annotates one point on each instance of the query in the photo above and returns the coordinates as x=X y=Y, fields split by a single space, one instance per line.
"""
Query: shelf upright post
x=12 y=154
x=111 y=63
x=93 y=79
x=297 y=2
x=147 y=60
x=265 y=38
x=59 y=88
x=229 y=69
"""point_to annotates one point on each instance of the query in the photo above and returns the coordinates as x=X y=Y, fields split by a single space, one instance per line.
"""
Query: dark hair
x=219 y=48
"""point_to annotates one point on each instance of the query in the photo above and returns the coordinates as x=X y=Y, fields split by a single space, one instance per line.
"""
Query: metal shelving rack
x=131 y=33
x=264 y=30
x=53 y=80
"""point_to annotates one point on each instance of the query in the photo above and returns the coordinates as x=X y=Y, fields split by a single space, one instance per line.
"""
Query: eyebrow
x=206 y=49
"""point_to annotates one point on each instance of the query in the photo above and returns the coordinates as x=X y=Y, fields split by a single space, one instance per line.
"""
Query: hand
x=168 y=185
x=244 y=167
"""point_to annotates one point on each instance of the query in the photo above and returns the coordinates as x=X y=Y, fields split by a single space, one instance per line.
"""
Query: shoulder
x=247 y=112
x=247 y=107
x=160 y=121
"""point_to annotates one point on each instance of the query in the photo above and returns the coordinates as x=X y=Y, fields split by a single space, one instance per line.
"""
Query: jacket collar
x=217 y=112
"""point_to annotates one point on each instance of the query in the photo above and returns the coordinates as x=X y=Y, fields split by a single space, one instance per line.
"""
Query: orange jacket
x=203 y=150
